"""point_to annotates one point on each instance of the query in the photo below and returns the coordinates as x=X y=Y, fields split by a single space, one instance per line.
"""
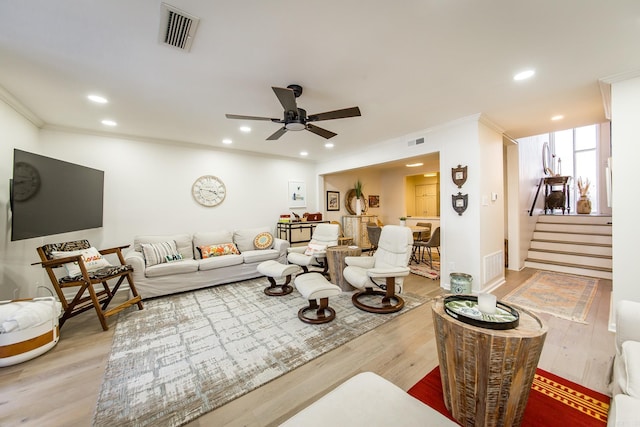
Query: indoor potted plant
x=583 y=205
x=403 y=220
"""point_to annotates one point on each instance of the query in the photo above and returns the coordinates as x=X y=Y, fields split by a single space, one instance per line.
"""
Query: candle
x=487 y=303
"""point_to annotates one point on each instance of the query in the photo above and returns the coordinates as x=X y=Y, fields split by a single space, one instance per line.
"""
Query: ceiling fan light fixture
x=295 y=126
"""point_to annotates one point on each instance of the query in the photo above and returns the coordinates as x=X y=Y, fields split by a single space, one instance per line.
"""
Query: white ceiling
x=408 y=65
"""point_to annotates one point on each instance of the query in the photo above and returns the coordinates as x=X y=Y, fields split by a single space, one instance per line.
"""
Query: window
x=575 y=154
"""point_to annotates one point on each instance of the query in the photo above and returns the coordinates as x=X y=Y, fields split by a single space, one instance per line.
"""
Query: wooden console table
x=487 y=373
x=556 y=193
x=304 y=230
x=355 y=226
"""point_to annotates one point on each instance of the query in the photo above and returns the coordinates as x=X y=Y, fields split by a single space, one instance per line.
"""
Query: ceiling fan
x=296 y=118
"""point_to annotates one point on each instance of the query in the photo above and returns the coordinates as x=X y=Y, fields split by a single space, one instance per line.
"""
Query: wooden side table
x=335 y=258
x=487 y=373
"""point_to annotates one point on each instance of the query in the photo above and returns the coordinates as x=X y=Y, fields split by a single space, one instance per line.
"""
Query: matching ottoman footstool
x=314 y=287
x=274 y=270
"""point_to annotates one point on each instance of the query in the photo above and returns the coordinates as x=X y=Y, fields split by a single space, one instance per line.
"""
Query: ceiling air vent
x=177 y=27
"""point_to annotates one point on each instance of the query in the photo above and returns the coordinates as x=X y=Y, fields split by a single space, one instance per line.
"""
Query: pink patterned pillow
x=218 y=250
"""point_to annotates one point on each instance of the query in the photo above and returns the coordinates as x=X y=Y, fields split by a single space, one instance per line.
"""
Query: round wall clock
x=26 y=181
x=209 y=190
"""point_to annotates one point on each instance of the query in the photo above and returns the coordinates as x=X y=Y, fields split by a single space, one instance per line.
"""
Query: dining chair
x=433 y=242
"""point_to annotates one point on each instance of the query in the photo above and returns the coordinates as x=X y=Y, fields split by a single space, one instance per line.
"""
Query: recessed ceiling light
x=558 y=117
x=414 y=165
x=304 y=153
x=245 y=129
x=430 y=175
x=523 y=75
x=329 y=145
x=109 y=122
x=97 y=99
x=226 y=141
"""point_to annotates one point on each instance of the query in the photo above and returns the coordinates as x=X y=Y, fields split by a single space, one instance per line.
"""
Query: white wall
x=147 y=191
x=625 y=136
x=530 y=172
x=15 y=257
x=492 y=202
x=458 y=143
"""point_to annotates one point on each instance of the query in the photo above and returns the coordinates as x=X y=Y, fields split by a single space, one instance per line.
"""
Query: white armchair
x=625 y=383
x=315 y=253
x=383 y=273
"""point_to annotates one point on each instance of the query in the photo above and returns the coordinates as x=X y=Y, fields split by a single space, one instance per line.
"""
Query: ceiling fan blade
x=287 y=98
x=337 y=114
x=236 y=116
x=319 y=131
x=277 y=134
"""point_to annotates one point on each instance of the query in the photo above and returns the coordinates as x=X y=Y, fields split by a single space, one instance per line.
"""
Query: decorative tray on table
x=465 y=309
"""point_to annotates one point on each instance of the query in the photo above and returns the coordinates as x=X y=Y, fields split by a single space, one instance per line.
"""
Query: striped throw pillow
x=159 y=253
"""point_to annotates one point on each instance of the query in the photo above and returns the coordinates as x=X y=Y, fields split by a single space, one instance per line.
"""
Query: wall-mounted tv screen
x=50 y=196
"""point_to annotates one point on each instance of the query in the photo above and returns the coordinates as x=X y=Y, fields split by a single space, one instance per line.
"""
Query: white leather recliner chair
x=315 y=253
x=383 y=273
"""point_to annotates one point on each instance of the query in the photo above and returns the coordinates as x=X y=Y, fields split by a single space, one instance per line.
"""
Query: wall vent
x=415 y=142
x=177 y=28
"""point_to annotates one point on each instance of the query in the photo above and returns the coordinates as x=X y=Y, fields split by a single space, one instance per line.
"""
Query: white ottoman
x=314 y=287
x=349 y=404
x=28 y=328
x=274 y=270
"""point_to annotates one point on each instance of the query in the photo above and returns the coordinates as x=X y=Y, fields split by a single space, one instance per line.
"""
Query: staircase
x=575 y=244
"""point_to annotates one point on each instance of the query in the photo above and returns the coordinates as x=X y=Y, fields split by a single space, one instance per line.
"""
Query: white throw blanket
x=21 y=315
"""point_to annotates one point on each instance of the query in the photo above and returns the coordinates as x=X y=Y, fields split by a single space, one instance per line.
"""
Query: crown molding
x=616 y=78
x=20 y=108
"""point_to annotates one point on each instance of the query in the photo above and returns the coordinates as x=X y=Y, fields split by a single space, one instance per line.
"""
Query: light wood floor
x=60 y=388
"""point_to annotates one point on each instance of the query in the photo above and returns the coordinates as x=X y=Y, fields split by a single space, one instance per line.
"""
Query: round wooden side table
x=335 y=258
x=487 y=373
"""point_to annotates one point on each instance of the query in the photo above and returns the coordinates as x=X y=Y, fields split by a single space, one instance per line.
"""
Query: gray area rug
x=188 y=354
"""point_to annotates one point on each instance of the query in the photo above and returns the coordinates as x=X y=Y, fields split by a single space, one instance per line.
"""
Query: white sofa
x=192 y=271
x=625 y=384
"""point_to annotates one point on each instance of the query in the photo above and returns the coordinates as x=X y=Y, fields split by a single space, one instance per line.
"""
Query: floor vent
x=177 y=28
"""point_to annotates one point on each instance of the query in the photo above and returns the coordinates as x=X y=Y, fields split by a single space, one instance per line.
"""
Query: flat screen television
x=50 y=196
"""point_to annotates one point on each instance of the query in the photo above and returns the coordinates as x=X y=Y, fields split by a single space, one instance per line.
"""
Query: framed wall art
x=333 y=200
x=297 y=195
x=459 y=175
x=374 y=201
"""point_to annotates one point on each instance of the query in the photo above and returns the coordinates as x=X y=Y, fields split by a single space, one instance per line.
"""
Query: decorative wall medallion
x=459 y=202
x=350 y=202
x=459 y=175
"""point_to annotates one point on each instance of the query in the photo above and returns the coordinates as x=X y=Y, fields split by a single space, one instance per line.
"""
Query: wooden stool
x=274 y=270
x=314 y=287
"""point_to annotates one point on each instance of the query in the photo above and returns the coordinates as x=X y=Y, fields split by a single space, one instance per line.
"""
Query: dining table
x=417 y=235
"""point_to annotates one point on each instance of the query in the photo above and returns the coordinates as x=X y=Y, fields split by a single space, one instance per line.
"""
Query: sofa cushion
x=259 y=255
x=220 y=261
x=211 y=238
x=159 y=253
x=243 y=238
x=183 y=242
x=221 y=249
x=176 y=267
x=263 y=240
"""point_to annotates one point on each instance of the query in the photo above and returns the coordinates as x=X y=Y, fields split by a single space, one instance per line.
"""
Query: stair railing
x=535 y=199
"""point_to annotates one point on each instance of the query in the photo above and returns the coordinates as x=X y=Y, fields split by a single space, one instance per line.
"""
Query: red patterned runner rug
x=554 y=401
